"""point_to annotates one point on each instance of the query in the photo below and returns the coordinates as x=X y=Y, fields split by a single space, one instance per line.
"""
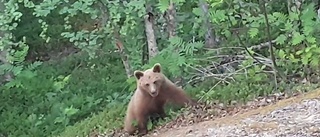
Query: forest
x=66 y=66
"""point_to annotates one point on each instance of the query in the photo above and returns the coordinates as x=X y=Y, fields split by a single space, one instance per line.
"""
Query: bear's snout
x=153 y=93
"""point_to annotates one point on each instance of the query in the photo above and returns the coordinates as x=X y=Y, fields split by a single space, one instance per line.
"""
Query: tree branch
x=273 y=59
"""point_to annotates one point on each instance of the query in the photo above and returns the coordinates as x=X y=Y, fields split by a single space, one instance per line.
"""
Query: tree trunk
x=152 y=43
x=3 y=54
x=209 y=36
x=171 y=23
x=119 y=45
x=124 y=56
x=171 y=28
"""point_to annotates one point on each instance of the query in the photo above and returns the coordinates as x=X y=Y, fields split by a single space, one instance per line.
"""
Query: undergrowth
x=91 y=89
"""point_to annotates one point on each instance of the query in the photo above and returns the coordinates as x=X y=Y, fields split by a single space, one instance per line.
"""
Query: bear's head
x=150 y=80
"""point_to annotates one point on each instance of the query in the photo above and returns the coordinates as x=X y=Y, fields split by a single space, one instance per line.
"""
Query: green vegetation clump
x=66 y=66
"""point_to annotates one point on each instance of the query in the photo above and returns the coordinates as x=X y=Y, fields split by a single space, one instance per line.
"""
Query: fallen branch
x=228 y=75
x=231 y=67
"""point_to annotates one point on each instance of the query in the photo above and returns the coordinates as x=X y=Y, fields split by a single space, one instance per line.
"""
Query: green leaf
x=281 y=39
x=307 y=30
x=59 y=120
x=299 y=52
x=253 y=32
x=149 y=125
x=307 y=49
x=314 y=61
x=293 y=16
x=66 y=79
x=282 y=54
x=288 y=26
x=215 y=3
x=293 y=59
x=280 y=16
x=163 y=5
x=297 y=38
x=309 y=55
x=197 y=11
x=311 y=39
x=70 y=111
x=317 y=50
x=305 y=60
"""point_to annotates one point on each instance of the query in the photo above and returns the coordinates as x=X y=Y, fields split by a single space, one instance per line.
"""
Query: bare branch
x=269 y=37
x=210 y=71
x=274 y=65
x=240 y=41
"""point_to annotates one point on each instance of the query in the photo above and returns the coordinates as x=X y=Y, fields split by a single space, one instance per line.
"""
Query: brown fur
x=154 y=89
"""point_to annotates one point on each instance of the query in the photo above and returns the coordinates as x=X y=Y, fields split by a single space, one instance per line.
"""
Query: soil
x=280 y=115
x=295 y=116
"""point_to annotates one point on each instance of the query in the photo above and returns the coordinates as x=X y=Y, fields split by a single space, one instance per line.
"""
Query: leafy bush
x=90 y=89
x=68 y=91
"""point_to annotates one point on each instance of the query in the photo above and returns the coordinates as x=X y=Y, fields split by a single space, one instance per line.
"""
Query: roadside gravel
x=293 y=117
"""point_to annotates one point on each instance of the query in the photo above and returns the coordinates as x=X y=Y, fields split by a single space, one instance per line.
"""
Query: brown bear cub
x=154 y=89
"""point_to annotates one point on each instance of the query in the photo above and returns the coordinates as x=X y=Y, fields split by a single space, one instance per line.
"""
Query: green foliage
x=66 y=92
x=112 y=116
x=71 y=96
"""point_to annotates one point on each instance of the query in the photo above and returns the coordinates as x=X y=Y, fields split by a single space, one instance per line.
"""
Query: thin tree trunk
x=3 y=54
x=209 y=36
x=145 y=56
x=124 y=55
x=171 y=23
x=171 y=28
x=118 y=42
x=152 y=43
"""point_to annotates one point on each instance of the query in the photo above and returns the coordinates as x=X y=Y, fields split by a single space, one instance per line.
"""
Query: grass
x=110 y=118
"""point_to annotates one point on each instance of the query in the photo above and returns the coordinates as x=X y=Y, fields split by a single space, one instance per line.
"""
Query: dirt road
x=293 y=117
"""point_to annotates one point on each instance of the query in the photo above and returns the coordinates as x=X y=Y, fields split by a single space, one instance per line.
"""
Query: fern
x=253 y=32
x=17 y=70
x=297 y=38
x=6 y=67
x=218 y=16
x=280 y=16
x=189 y=48
x=311 y=39
x=197 y=11
x=163 y=5
x=176 y=41
x=34 y=65
x=308 y=13
x=281 y=39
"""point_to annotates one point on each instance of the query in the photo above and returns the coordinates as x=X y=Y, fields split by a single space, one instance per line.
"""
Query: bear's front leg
x=162 y=113
x=142 y=125
x=157 y=115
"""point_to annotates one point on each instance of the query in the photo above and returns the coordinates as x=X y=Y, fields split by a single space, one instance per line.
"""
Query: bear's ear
x=157 y=67
x=138 y=74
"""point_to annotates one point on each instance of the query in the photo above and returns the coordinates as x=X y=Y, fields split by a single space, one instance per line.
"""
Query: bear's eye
x=154 y=82
x=147 y=85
